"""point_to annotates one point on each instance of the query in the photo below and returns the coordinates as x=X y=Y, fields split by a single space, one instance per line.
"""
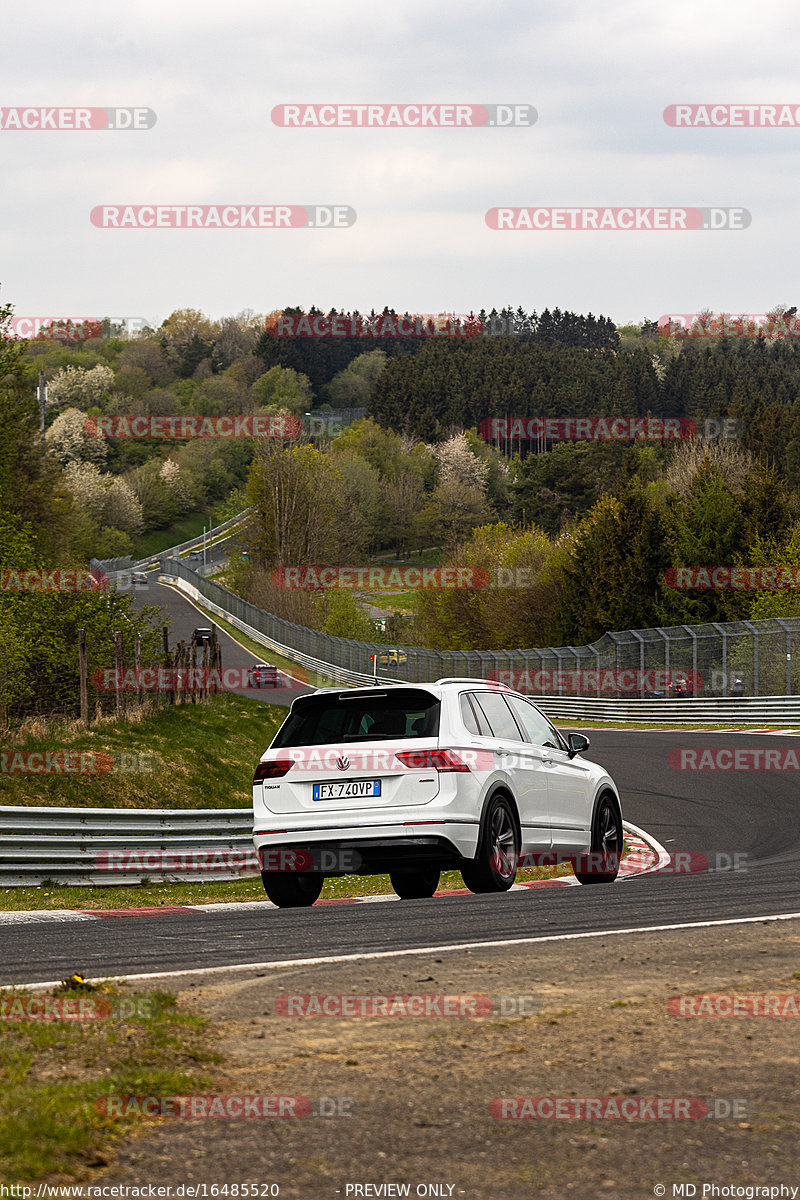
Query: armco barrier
x=745 y=710
x=196 y=542
x=329 y=670
x=63 y=844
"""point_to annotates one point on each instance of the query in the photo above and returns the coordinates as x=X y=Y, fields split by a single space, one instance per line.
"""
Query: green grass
x=162 y=539
x=399 y=602
x=156 y=895
x=204 y=757
x=54 y=1073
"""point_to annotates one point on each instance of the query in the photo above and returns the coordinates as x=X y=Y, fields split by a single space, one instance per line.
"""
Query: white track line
x=282 y=964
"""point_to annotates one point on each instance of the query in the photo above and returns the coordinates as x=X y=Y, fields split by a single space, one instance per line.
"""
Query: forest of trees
x=596 y=523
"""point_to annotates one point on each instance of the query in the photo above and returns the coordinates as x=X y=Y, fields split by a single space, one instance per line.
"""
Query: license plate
x=339 y=788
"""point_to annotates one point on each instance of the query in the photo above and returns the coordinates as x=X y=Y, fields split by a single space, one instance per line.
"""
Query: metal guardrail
x=329 y=670
x=745 y=710
x=77 y=845
x=196 y=542
x=80 y=839
x=113 y=566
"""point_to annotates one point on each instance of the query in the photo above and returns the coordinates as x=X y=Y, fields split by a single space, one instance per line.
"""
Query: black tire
x=415 y=885
x=292 y=891
x=495 y=867
x=606 y=854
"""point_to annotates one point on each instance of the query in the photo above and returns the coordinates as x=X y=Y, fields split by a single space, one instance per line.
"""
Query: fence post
x=137 y=662
x=640 y=640
x=167 y=664
x=749 y=625
x=693 y=636
x=118 y=673
x=82 y=668
x=788 y=633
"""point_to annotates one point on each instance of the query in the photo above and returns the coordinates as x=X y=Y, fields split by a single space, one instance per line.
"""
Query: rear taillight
x=432 y=760
x=272 y=770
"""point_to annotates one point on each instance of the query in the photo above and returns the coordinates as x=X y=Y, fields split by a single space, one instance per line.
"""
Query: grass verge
x=194 y=755
x=163 y=539
x=50 y=896
x=55 y=1072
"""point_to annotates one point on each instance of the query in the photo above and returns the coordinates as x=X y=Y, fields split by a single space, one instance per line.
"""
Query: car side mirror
x=576 y=743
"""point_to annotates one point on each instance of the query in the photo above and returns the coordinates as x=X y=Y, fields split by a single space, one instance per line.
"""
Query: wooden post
x=118 y=673
x=82 y=667
x=204 y=676
x=137 y=662
x=167 y=662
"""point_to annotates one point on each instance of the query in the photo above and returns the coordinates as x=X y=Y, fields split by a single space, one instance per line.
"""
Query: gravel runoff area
x=412 y=1096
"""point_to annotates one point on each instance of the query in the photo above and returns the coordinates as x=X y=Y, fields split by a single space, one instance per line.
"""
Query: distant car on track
x=202 y=636
x=263 y=675
x=409 y=779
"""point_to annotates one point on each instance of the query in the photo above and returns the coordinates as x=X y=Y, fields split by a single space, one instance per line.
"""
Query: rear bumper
x=376 y=849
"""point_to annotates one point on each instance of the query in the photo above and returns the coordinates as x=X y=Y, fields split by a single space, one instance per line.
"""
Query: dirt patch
x=421 y=1088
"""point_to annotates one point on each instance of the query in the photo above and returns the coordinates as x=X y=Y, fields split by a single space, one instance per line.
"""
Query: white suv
x=411 y=779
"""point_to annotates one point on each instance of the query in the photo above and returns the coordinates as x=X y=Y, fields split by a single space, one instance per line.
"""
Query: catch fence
x=680 y=661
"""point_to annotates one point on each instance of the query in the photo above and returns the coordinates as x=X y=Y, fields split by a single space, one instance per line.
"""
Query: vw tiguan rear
x=412 y=780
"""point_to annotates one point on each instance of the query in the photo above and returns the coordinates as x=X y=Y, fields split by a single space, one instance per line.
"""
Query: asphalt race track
x=700 y=813
x=183 y=618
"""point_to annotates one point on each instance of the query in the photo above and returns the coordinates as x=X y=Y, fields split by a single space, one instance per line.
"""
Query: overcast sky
x=599 y=76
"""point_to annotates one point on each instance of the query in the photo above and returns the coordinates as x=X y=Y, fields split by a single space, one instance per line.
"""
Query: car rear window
x=357 y=717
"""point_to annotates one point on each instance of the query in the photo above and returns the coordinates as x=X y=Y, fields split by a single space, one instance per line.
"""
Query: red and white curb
x=645 y=856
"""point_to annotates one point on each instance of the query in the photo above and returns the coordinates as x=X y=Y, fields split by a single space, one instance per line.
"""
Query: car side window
x=468 y=715
x=498 y=715
x=537 y=727
x=473 y=718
